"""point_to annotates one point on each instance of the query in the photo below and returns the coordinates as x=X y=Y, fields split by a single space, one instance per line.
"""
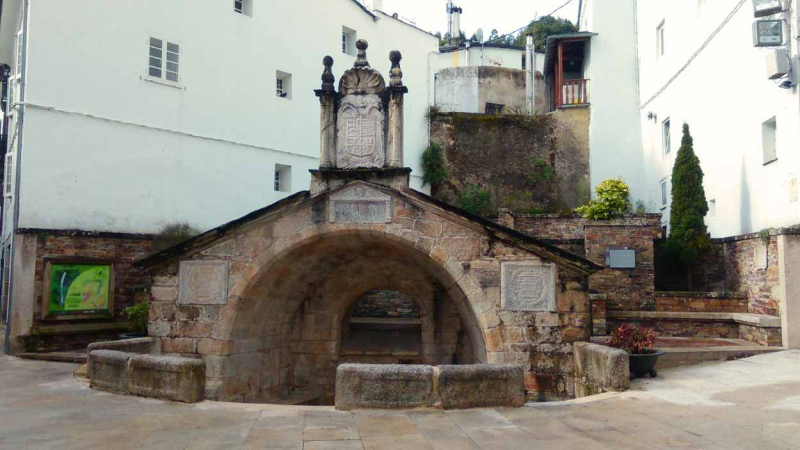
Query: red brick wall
x=123 y=250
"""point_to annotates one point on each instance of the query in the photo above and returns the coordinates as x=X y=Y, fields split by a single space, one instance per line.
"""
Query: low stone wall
x=733 y=302
x=136 y=367
x=368 y=386
x=600 y=369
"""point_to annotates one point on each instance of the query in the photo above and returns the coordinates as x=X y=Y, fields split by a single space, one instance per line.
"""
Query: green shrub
x=138 y=315
x=475 y=200
x=433 y=166
x=612 y=201
x=173 y=234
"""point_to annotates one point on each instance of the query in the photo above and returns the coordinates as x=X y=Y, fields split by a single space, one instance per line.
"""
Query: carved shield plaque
x=360 y=204
x=528 y=287
x=203 y=283
x=360 y=133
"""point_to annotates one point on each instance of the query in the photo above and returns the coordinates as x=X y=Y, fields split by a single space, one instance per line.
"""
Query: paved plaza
x=746 y=404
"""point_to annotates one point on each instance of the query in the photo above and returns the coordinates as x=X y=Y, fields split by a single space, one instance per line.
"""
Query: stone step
x=685 y=356
x=298 y=398
x=65 y=357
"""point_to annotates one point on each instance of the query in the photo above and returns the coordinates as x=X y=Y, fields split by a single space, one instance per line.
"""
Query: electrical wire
x=502 y=37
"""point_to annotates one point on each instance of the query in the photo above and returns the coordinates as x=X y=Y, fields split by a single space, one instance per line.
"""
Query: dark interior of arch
x=305 y=307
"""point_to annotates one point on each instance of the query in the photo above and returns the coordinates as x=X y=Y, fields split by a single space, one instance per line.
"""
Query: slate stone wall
x=500 y=155
x=747 y=269
x=386 y=304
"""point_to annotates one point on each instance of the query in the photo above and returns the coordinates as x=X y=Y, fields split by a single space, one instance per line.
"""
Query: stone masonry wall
x=513 y=157
x=751 y=265
x=386 y=304
x=625 y=289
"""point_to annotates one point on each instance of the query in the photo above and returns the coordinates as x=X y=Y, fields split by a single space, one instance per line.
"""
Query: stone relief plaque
x=528 y=286
x=203 y=283
x=360 y=204
x=360 y=133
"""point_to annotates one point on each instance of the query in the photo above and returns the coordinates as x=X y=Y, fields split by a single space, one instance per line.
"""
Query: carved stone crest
x=203 y=283
x=360 y=133
x=360 y=204
x=528 y=286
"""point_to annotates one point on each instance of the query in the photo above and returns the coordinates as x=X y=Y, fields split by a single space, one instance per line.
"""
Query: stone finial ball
x=327 y=61
x=395 y=56
x=361 y=44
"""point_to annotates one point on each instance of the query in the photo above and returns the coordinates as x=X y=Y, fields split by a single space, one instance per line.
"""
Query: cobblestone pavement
x=747 y=404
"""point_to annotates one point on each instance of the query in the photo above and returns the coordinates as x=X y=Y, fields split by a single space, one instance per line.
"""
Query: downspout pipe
x=18 y=166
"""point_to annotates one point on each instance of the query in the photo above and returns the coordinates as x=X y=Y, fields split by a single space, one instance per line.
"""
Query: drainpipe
x=18 y=166
x=530 y=76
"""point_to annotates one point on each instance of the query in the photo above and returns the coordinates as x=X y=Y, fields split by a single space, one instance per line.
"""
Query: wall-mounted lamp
x=652 y=116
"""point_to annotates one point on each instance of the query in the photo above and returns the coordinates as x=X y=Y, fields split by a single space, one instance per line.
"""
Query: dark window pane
x=155 y=52
x=172 y=76
x=156 y=42
x=155 y=62
x=155 y=72
x=172 y=67
x=172 y=47
x=173 y=57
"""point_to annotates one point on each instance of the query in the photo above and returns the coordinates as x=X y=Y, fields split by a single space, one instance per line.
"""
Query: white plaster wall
x=484 y=56
x=457 y=90
x=117 y=152
x=725 y=97
x=615 y=138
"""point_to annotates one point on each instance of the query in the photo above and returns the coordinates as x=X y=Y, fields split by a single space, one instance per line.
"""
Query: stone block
x=367 y=386
x=178 y=346
x=140 y=345
x=163 y=294
x=528 y=286
x=600 y=369
x=481 y=386
x=168 y=378
x=108 y=370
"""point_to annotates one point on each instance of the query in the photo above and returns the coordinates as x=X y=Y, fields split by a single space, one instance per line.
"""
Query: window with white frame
x=666 y=136
x=769 y=136
x=283 y=178
x=661 y=36
x=18 y=59
x=349 y=38
x=283 y=84
x=8 y=188
x=164 y=61
x=243 y=7
x=664 y=197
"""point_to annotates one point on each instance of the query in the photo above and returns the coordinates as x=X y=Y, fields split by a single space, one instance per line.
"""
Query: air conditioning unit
x=778 y=63
x=762 y=8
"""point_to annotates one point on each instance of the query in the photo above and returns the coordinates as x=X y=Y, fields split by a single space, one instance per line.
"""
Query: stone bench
x=143 y=372
x=600 y=369
x=370 y=386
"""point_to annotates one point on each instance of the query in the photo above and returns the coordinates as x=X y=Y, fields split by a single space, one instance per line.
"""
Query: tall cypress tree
x=688 y=231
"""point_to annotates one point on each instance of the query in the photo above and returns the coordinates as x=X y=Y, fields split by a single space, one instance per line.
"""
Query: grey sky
x=504 y=15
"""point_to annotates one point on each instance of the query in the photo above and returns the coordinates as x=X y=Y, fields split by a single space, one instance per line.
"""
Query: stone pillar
x=789 y=266
x=327 y=123
x=396 y=91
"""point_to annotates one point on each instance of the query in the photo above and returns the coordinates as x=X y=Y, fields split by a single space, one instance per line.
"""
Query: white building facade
x=127 y=116
x=699 y=66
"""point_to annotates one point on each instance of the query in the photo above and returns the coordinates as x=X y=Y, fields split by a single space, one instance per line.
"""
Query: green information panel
x=79 y=289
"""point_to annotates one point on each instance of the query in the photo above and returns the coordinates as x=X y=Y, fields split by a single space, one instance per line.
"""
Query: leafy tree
x=688 y=237
x=612 y=201
x=544 y=27
x=475 y=200
x=495 y=34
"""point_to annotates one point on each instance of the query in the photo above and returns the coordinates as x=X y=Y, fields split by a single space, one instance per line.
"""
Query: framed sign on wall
x=78 y=290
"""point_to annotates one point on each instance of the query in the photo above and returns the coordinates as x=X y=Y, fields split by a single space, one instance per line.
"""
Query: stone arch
x=286 y=292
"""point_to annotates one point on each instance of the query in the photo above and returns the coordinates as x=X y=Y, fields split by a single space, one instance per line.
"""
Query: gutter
x=23 y=82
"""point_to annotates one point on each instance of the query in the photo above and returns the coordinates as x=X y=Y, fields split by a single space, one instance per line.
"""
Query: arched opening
x=348 y=297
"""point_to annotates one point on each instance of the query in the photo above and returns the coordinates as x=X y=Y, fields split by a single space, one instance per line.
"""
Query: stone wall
x=625 y=289
x=511 y=157
x=751 y=265
x=734 y=302
x=131 y=284
x=386 y=304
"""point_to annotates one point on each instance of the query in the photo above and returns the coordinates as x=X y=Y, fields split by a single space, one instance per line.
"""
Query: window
x=663 y=193
x=349 y=38
x=712 y=208
x=661 y=39
x=159 y=51
x=243 y=7
x=8 y=189
x=283 y=178
x=283 y=85
x=494 y=108
x=18 y=59
x=769 y=134
x=666 y=136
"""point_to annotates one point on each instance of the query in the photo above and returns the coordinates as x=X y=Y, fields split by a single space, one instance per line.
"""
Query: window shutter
x=9 y=172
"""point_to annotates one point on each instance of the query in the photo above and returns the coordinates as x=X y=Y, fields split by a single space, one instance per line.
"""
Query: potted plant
x=638 y=342
x=138 y=315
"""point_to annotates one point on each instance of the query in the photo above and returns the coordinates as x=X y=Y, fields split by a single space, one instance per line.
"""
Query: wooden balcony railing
x=573 y=92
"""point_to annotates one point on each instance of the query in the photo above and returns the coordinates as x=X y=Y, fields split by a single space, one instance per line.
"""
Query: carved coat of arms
x=360 y=133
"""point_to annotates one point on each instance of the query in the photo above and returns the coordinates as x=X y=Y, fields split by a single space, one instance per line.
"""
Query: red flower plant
x=633 y=339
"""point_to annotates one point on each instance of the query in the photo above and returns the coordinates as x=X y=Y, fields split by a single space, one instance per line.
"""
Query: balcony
x=573 y=93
